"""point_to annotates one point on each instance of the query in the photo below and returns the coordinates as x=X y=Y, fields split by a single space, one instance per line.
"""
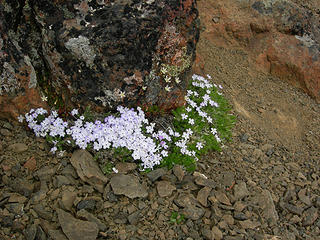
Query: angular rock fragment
x=268 y=208
x=88 y=169
x=128 y=185
x=165 y=188
x=76 y=229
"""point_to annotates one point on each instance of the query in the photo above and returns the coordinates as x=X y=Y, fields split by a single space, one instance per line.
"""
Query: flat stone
x=69 y=171
x=134 y=217
x=156 y=174
x=239 y=216
x=31 y=164
x=31 y=232
x=184 y=200
x=88 y=169
x=5 y=132
x=193 y=212
x=293 y=209
x=76 y=229
x=310 y=216
x=178 y=172
x=303 y=197
x=57 y=235
x=15 y=208
x=248 y=224
x=267 y=147
x=317 y=202
x=22 y=186
x=124 y=167
x=88 y=204
x=45 y=173
x=91 y=218
x=42 y=212
x=42 y=193
x=202 y=196
x=18 y=147
x=240 y=191
x=61 y=180
x=227 y=179
x=228 y=219
x=217 y=233
x=205 y=182
x=207 y=234
x=67 y=199
x=128 y=185
x=268 y=208
x=239 y=206
x=222 y=197
x=165 y=188
x=17 y=198
x=257 y=154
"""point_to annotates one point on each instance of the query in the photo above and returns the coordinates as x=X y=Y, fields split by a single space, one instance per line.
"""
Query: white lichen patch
x=33 y=75
x=8 y=80
x=80 y=47
x=306 y=40
x=111 y=97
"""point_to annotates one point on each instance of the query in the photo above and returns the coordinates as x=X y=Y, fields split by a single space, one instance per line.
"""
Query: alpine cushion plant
x=203 y=124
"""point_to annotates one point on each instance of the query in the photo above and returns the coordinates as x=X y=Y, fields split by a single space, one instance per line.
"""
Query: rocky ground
x=265 y=184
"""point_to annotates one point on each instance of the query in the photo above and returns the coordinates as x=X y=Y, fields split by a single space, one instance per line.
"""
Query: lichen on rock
x=102 y=53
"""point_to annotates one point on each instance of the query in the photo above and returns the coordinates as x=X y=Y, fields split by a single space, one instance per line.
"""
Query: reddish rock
x=279 y=36
x=95 y=53
x=31 y=164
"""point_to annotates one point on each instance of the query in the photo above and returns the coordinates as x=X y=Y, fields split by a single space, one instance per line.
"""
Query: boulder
x=95 y=53
x=280 y=36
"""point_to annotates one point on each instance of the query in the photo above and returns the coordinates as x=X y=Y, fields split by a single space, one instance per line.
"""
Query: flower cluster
x=124 y=131
x=198 y=126
x=203 y=123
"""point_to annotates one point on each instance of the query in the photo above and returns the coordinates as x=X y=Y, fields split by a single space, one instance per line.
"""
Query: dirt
x=275 y=149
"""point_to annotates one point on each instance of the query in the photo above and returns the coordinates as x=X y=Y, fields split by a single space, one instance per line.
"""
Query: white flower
x=189 y=131
x=44 y=98
x=81 y=117
x=188 y=109
x=164 y=153
x=184 y=116
x=191 y=121
x=214 y=131
x=61 y=153
x=74 y=112
x=167 y=88
x=177 y=80
x=53 y=150
x=167 y=79
x=189 y=93
x=199 y=146
x=122 y=94
x=21 y=118
x=54 y=113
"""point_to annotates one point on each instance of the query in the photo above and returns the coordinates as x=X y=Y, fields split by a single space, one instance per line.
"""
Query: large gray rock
x=88 y=169
x=95 y=53
x=76 y=229
x=128 y=185
x=269 y=211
